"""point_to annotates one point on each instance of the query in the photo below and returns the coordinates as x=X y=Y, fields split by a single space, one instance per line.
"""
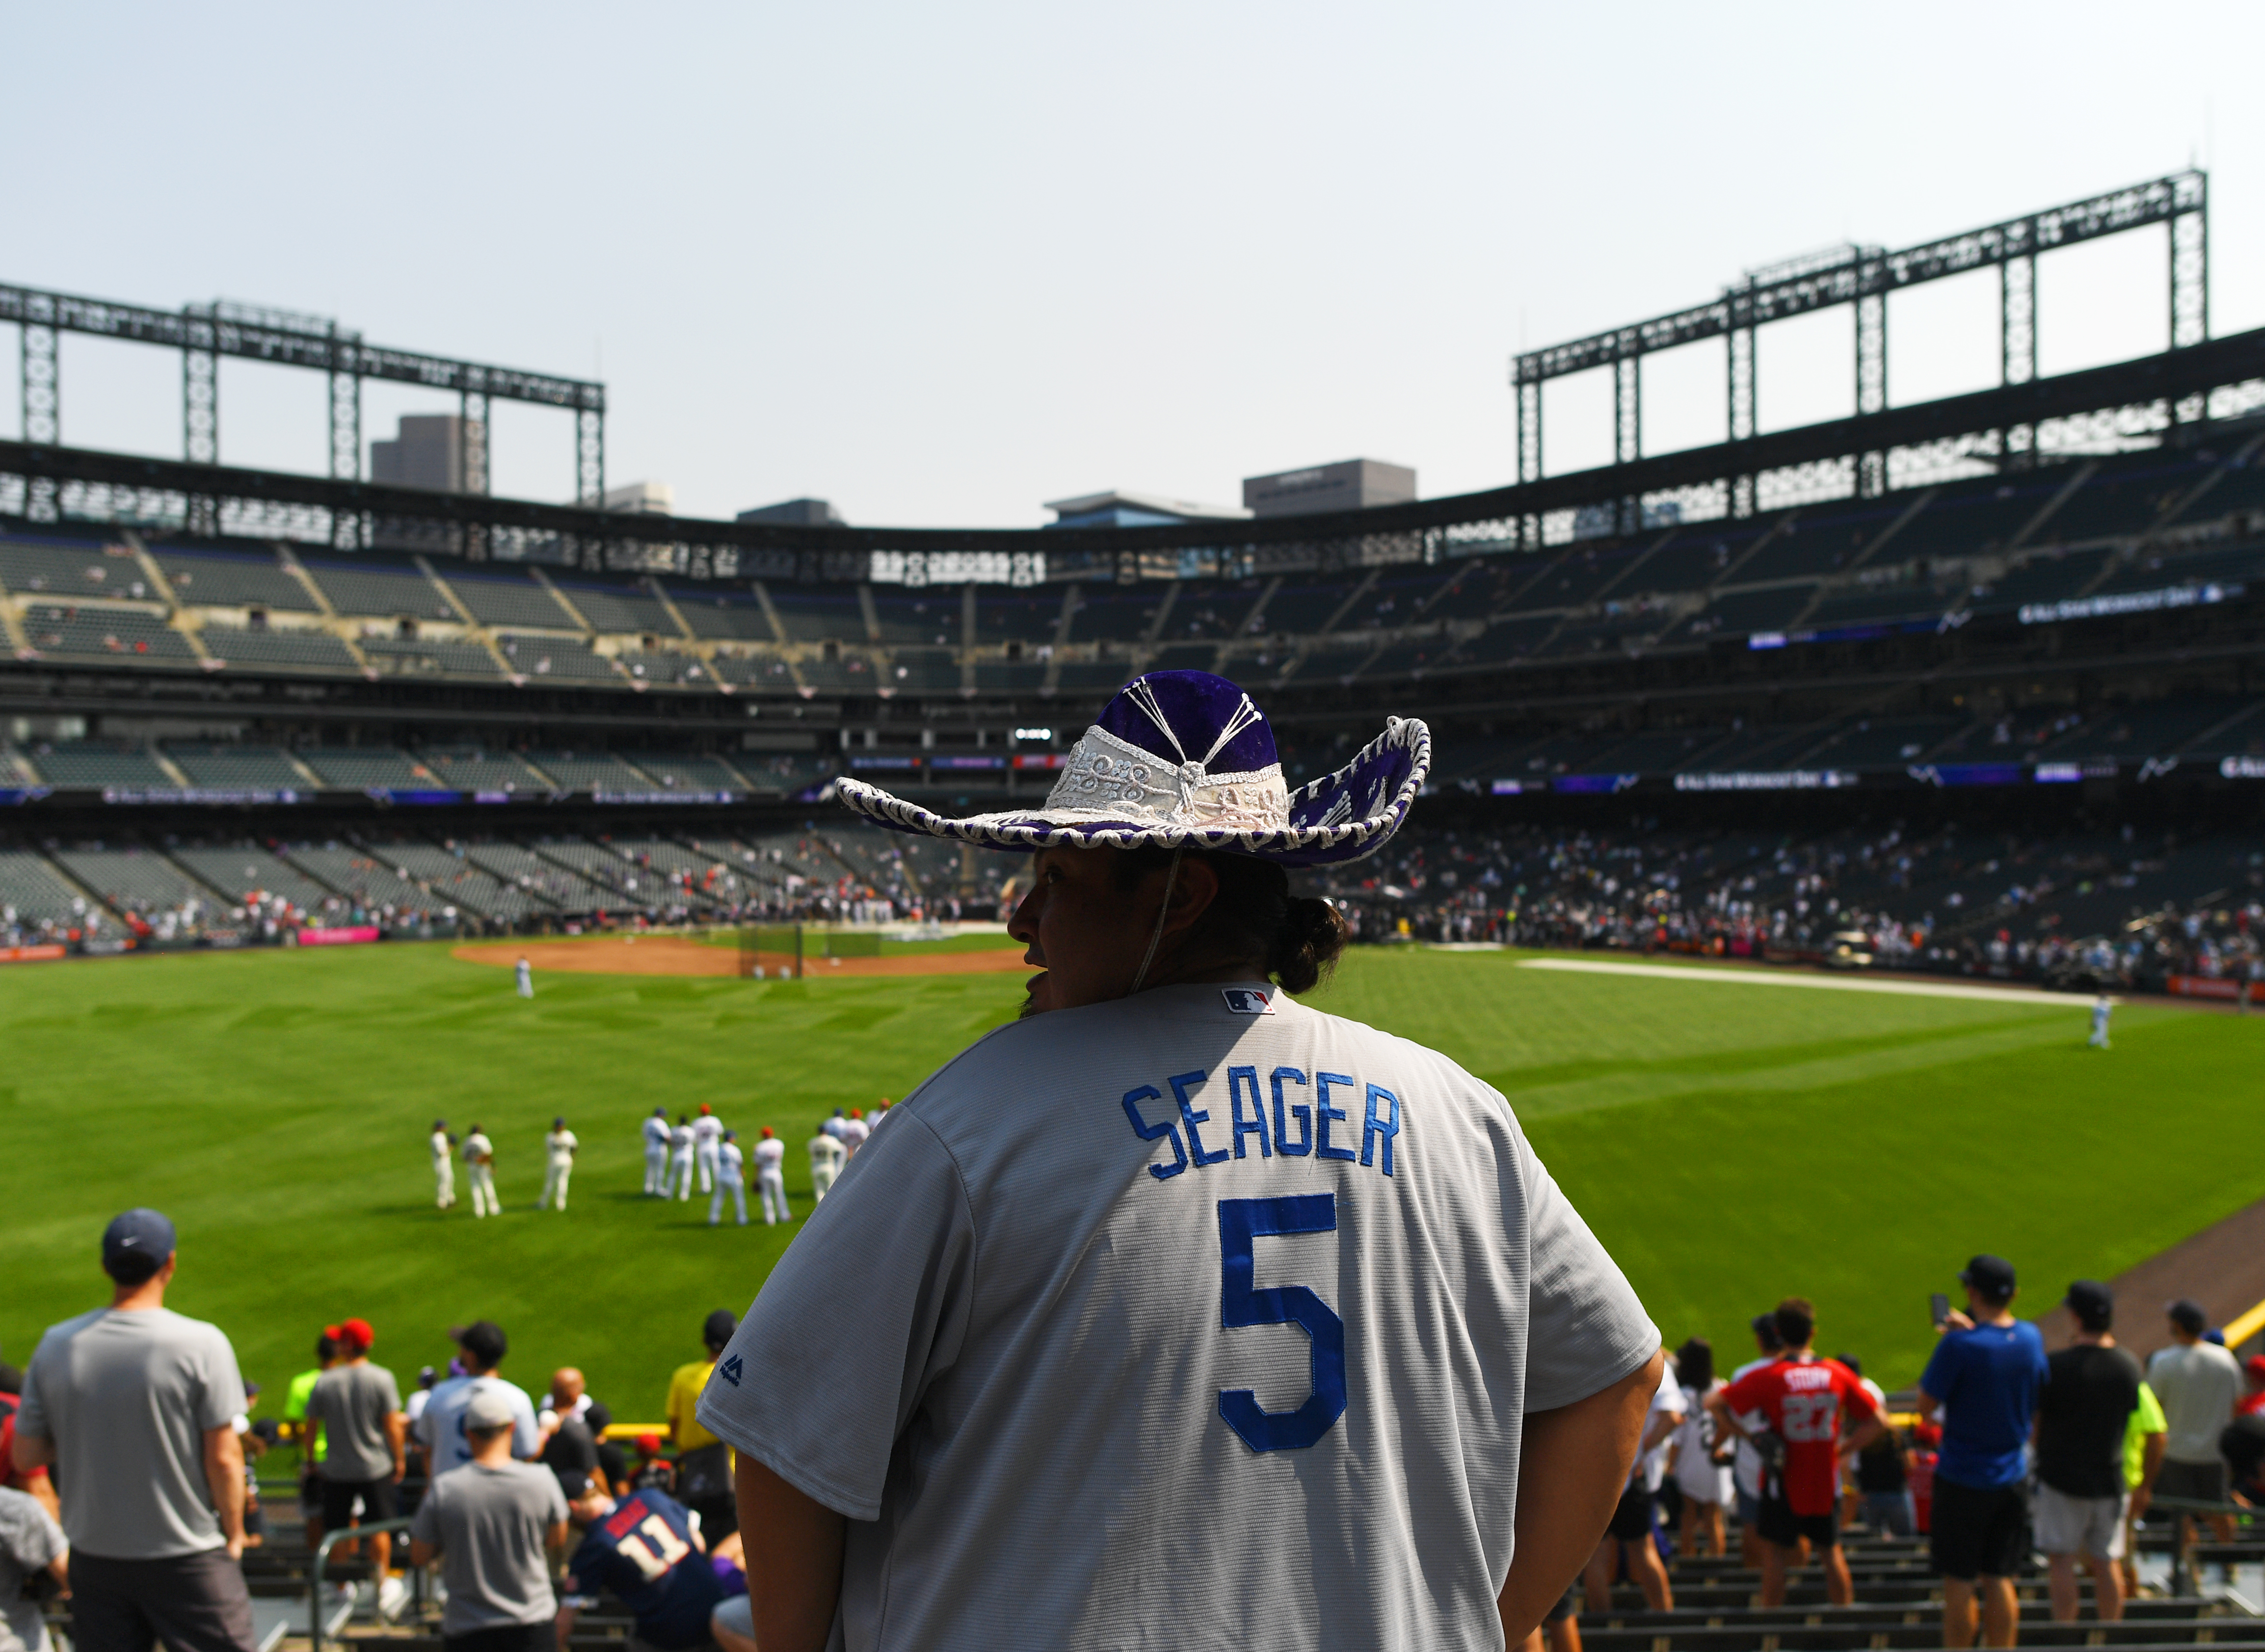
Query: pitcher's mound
x=680 y=955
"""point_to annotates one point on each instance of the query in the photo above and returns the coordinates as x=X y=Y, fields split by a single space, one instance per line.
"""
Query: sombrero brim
x=1341 y=817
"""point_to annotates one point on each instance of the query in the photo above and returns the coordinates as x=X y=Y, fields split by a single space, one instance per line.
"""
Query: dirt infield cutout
x=680 y=955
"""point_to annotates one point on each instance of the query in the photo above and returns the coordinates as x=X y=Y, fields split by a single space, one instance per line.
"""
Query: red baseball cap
x=358 y=1334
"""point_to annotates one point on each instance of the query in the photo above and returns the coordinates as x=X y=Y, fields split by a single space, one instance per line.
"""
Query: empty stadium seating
x=120 y=636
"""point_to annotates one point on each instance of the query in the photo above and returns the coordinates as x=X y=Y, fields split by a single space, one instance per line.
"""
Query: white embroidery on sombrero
x=1288 y=839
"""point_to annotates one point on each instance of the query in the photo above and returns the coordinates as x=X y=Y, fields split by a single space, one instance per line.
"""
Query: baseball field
x=1731 y=1144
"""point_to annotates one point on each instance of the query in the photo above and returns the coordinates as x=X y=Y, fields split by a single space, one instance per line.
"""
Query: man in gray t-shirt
x=136 y=1406
x=30 y=1543
x=1176 y=1313
x=2199 y=1385
x=357 y=1406
x=493 y=1524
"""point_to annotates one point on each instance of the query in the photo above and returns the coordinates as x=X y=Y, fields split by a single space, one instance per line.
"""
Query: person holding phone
x=1982 y=1381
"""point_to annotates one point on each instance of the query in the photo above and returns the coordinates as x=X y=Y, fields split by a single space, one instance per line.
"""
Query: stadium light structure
x=203 y=333
x=1863 y=277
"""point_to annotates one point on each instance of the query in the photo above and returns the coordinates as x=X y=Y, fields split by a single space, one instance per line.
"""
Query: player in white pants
x=707 y=1131
x=825 y=1163
x=656 y=1153
x=479 y=1170
x=559 y=1152
x=770 y=1179
x=680 y=1159
x=444 y=1164
x=730 y=1179
x=2101 y=1011
x=526 y=973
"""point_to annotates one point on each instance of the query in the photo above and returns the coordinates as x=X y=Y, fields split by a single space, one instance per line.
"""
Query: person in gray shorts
x=493 y=1524
x=136 y=1406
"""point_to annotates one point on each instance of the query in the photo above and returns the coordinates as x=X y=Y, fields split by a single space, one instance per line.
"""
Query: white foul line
x=1836 y=983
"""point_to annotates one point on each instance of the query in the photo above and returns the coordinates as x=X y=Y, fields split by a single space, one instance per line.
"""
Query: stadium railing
x=348 y=1534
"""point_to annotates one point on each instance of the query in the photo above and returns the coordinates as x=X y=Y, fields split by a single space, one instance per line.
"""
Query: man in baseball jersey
x=825 y=1163
x=770 y=1178
x=1184 y=1315
x=2102 y=1007
x=707 y=1131
x=854 y=1131
x=1793 y=1408
x=731 y=1179
x=444 y=1163
x=526 y=973
x=479 y=1170
x=833 y=1126
x=680 y=1159
x=656 y=1153
x=558 y=1150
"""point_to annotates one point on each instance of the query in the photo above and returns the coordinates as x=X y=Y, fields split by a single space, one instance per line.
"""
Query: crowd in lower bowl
x=132 y=1467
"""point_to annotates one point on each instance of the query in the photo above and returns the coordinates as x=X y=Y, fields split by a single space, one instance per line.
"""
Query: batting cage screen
x=771 y=951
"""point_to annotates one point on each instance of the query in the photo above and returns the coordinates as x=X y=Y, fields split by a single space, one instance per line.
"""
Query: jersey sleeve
x=868 y=1306
x=1586 y=1329
x=1855 y=1399
x=2151 y=1420
x=1750 y=1393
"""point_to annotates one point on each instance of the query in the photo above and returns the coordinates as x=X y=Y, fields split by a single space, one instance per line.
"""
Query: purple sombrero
x=1184 y=759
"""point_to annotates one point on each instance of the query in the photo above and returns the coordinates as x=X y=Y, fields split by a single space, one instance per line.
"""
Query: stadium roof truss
x=204 y=333
x=2025 y=419
x=1863 y=277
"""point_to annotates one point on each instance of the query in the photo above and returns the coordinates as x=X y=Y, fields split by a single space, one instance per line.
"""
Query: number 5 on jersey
x=1241 y=1223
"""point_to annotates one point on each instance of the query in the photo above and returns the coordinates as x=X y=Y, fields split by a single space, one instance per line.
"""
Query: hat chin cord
x=1171 y=877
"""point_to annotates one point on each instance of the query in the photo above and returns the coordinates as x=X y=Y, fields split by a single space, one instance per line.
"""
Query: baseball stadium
x=1842 y=846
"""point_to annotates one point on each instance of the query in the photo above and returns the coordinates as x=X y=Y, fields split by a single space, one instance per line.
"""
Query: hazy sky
x=939 y=264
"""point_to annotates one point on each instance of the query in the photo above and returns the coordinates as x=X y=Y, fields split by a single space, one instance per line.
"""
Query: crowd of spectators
x=2107 y=908
x=130 y=1469
x=132 y=1472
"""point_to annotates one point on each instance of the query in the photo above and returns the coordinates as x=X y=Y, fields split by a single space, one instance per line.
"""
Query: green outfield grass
x=1732 y=1145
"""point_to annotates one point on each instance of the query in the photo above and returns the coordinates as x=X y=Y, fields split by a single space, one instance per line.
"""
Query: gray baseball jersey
x=1197 y=1318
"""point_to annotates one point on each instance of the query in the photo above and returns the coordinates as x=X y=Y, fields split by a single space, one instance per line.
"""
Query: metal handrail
x=345 y=1534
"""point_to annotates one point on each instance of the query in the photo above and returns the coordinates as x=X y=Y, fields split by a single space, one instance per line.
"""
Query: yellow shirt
x=684 y=1393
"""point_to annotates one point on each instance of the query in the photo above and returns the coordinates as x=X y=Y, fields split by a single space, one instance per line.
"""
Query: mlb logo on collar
x=1246 y=1000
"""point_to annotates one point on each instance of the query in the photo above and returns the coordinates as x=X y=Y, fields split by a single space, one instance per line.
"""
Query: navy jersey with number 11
x=643 y=1555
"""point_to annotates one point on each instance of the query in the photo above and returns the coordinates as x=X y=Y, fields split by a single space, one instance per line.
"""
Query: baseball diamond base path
x=680 y=955
x=2223 y=1268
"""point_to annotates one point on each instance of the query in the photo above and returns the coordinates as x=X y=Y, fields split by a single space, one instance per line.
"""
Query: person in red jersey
x=1791 y=1409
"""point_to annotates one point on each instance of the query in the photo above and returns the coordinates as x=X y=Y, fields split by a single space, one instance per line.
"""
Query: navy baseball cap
x=1992 y=1275
x=2093 y=1303
x=717 y=1328
x=2185 y=1313
x=140 y=1231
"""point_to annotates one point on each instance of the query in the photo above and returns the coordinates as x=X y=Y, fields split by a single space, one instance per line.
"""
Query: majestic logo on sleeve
x=729 y=1371
x=1247 y=1000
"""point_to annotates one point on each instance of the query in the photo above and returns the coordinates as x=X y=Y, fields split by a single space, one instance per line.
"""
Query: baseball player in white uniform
x=479 y=1170
x=707 y=1131
x=770 y=1178
x=656 y=1153
x=1257 y=1263
x=2101 y=1008
x=558 y=1149
x=730 y=1179
x=825 y=1157
x=680 y=1159
x=854 y=1132
x=526 y=973
x=444 y=1163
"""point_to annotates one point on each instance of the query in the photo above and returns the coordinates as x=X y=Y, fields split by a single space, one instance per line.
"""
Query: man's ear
x=1193 y=891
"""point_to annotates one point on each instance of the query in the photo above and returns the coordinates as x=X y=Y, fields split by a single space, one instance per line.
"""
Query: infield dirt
x=680 y=955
